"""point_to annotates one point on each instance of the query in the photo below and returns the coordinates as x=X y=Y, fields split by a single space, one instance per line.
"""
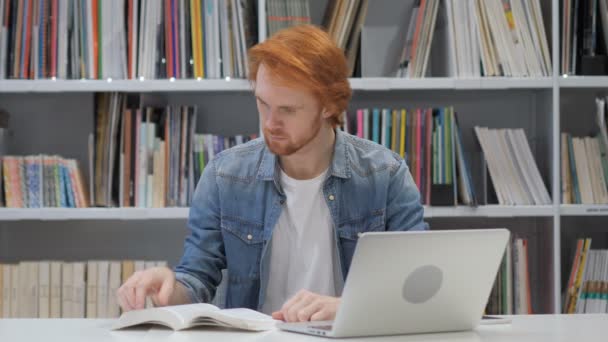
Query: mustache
x=276 y=132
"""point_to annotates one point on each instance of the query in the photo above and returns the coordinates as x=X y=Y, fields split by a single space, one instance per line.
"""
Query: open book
x=180 y=317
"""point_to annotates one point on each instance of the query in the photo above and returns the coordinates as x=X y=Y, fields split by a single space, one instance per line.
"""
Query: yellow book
x=394 y=131
x=193 y=36
x=402 y=140
x=579 y=276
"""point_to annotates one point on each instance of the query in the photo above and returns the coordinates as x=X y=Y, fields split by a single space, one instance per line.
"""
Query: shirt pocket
x=243 y=244
x=247 y=232
x=350 y=230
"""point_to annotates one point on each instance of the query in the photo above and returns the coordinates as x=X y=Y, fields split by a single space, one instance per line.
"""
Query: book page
x=243 y=319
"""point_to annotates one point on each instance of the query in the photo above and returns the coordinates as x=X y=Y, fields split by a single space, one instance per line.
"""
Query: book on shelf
x=125 y=39
x=149 y=157
x=179 y=317
x=584 y=163
x=511 y=293
x=513 y=171
x=587 y=287
x=414 y=58
x=56 y=289
x=343 y=20
x=482 y=38
x=43 y=181
x=429 y=140
x=584 y=37
x=281 y=14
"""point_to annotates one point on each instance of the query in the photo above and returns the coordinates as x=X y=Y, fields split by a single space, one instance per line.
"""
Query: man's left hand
x=307 y=306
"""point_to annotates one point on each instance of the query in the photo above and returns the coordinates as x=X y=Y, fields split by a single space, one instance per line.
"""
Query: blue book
x=69 y=187
x=60 y=184
x=387 y=122
x=376 y=126
x=33 y=178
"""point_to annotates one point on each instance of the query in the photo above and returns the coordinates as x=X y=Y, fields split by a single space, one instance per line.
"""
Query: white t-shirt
x=302 y=246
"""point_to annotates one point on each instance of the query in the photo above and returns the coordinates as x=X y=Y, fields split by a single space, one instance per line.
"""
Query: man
x=282 y=214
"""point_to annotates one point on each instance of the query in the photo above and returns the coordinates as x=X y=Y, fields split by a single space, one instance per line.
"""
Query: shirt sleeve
x=204 y=258
x=404 y=210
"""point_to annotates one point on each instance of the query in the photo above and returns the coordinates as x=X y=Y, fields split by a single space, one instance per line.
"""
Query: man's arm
x=403 y=209
x=200 y=269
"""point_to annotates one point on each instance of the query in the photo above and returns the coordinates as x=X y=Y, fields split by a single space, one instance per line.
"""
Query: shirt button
x=249 y=237
x=331 y=197
x=359 y=234
x=282 y=201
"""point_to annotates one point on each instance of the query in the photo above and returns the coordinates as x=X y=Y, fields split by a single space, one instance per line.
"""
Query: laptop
x=415 y=282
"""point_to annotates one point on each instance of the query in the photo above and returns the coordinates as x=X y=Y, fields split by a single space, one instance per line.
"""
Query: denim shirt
x=238 y=201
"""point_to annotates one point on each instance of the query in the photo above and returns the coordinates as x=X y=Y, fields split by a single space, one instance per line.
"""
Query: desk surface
x=537 y=328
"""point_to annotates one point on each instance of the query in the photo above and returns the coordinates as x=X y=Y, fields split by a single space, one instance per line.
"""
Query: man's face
x=290 y=117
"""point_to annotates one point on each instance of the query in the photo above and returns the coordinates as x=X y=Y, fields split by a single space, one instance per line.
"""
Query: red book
x=168 y=39
x=54 y=24
x=419 y=20
x=25 y=72
x=175 y=26
x=95 y=16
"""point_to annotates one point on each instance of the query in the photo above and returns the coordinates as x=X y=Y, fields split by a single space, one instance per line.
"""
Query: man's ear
x=325 y=113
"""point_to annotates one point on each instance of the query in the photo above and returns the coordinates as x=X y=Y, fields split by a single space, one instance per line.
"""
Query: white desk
x=541 y=328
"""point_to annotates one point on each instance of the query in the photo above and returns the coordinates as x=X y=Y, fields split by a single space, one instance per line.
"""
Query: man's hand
x=307 y=306
x=156 y=282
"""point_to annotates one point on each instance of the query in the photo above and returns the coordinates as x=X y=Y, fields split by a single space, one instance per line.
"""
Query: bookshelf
x=364 y=84
x=64 y=214
x=56 y=116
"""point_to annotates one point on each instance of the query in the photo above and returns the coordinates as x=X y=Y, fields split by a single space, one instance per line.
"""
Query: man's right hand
x=157 y=282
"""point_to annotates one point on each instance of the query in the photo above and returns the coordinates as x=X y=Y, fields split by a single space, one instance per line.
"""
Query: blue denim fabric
x=238 y=200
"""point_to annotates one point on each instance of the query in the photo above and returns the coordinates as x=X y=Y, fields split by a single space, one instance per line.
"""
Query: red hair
x=305 y=56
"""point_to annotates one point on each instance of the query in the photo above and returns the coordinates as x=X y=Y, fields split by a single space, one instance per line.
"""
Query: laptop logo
x=422 y=284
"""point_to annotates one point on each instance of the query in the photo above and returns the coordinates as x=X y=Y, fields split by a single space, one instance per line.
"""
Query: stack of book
x=146 y=156
x=511 y=293
x=585 y=164
x=122 y=39
x=415 y=55
x=43 y=181
x=587 y=289
x=56 y=289
x=513 y=170
x=508 y=37
x=344 y=20
x=484 y=38
x=282 y=14
x=584 y=37
x=430 y=142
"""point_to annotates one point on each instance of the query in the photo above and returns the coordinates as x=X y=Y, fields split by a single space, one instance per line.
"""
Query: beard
x=286 y=145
